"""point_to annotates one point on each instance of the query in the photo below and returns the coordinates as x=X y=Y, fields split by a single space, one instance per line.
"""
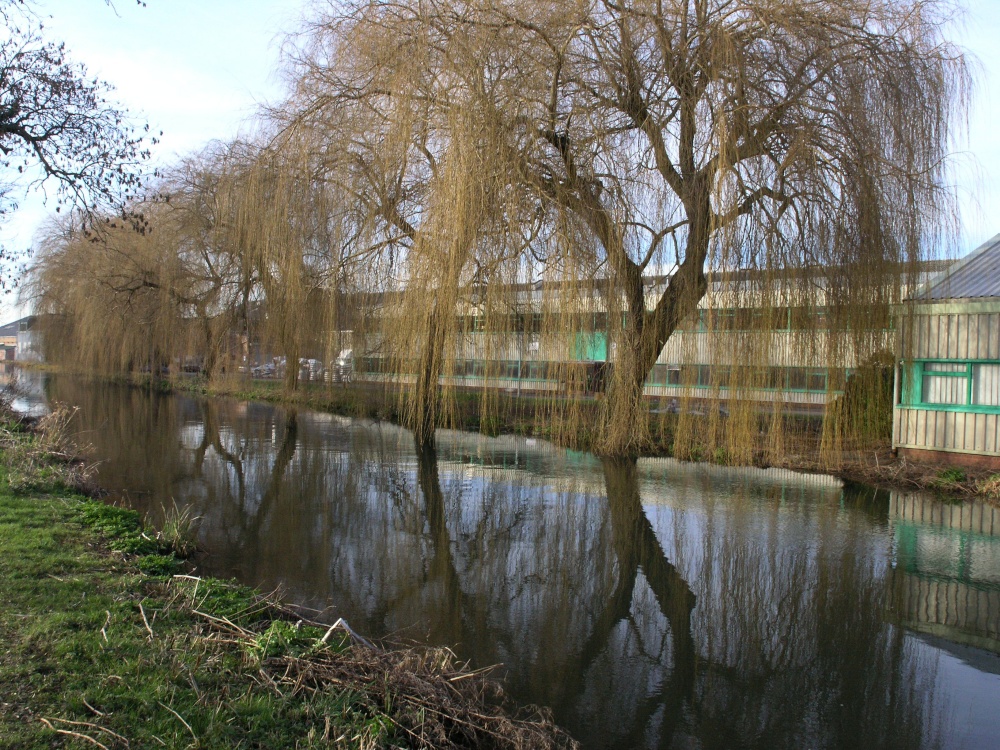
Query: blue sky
x=196 y=69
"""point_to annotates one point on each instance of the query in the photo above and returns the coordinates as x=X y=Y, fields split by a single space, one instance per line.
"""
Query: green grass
x=76 y=647
x=102 y=645
x=949 y=478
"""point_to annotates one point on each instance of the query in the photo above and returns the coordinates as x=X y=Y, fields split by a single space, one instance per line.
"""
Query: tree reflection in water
x=685 y=610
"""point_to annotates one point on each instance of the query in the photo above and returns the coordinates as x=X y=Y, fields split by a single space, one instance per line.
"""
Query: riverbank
x=111 y=641
x=530 y=416
x=523 y=415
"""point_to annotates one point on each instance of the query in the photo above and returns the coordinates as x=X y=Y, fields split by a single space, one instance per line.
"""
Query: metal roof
x=977 y=275
x=11 y=329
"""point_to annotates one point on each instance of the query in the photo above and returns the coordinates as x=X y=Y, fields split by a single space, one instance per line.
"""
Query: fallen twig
x=93 y=710
x=69 y=733
x=88 y=724
x=145 y=621
x=342 y=623
x=104 y=631
x=179 y=718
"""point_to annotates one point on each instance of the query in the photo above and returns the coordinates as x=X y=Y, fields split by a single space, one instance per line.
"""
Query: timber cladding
x=948 y=431
x=949 y=400
x=955 y=335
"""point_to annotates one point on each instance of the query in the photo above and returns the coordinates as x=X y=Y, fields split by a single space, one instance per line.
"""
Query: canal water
x=657 y=604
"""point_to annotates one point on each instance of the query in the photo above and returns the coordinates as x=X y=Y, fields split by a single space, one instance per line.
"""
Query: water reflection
x=25 y=388
x=948 y=579
x=650 y=604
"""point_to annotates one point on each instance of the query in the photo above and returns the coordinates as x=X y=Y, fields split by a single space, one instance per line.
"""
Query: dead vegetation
x=348 y=691
x=43 y=454
x=880 y=468
x=436 y=701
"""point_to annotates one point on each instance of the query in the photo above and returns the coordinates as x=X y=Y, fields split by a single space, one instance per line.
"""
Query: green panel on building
x=591 y=347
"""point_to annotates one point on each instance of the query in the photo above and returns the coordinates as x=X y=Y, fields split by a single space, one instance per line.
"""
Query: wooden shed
x=947 y=392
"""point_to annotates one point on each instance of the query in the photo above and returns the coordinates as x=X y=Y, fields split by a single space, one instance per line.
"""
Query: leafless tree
x=59 y=128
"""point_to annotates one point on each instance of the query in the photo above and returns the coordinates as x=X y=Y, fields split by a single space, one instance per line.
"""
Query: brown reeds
x=427 y=693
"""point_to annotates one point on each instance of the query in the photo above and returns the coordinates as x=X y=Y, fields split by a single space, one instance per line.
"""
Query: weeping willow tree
x=297 y=212
x=107 y=306
x=115 y=300
x=219 y=278
x=258 y=204
x=677 y=155
x=468 y=189
x=245 y=242
x=428 y=213
x=178 y=295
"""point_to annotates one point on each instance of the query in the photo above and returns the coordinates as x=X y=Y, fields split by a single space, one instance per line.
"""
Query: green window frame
x=915 y=381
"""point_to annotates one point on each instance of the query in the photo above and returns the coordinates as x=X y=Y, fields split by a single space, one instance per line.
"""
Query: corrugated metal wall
x=977 y=517
x=951 y=605
x=948 y=586
x=772 y=348
x=766 y=396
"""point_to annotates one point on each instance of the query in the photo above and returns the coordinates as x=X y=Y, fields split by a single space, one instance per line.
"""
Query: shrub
x=989 y=487
x=951 y=475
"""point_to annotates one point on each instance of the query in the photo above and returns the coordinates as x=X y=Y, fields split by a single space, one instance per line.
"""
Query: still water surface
x=653 y=605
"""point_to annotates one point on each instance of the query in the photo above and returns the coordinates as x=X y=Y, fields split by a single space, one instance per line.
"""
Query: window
x=721 y=319
x=798 y=378
x=817 y=381
x=947 y=384
x=944 y=383
x=537 y=371
x=774 y=378
x=986 y=384
x=808 y=318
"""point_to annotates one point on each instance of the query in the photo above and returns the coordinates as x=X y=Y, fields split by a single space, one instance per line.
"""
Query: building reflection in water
x=650 y=604
x=947 y=572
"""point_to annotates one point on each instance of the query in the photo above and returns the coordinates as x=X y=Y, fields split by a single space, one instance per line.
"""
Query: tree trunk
x=624 y=420
x=426 y=396
x=448 y=621
x=211 y=360
x=292 y=369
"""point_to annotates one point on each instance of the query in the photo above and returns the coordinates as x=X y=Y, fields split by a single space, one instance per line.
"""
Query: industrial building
x=947 y=401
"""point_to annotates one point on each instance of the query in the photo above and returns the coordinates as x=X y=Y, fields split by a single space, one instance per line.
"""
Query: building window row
x=771 y=378
x=801 y=379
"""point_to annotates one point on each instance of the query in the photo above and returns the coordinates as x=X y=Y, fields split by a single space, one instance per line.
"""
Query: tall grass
x=179 y=529
x=46 y=458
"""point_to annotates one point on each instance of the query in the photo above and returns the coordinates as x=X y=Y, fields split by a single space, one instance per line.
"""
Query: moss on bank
x=106 y=644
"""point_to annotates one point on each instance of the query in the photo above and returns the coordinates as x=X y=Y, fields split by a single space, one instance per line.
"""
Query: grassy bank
x=108 y=642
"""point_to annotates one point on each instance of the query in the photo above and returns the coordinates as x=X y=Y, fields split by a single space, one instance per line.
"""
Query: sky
x=198 y=69
x=195 y=69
